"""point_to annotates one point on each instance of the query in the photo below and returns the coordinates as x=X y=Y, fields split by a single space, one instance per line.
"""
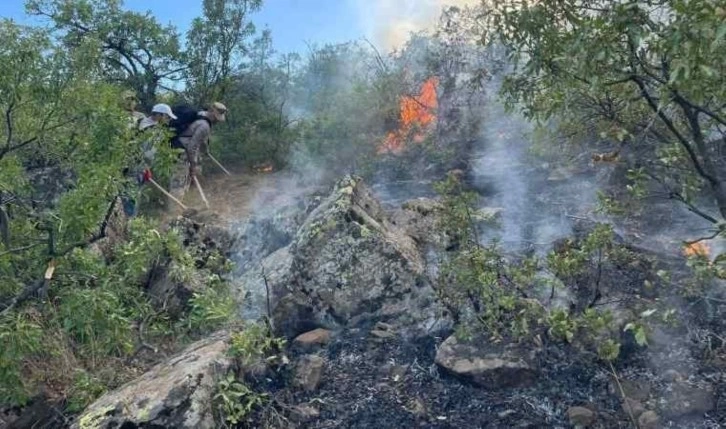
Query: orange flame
x=417 y=114
x=696 y=249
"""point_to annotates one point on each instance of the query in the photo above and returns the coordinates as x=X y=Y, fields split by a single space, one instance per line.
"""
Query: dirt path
x=233 y=199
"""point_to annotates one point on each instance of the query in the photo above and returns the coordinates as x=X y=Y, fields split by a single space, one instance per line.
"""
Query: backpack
x=185 y=116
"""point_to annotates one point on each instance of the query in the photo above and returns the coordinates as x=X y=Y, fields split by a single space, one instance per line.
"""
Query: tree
x=64 y=143
x=216 y=44
x=647 y=74
x=137 y=51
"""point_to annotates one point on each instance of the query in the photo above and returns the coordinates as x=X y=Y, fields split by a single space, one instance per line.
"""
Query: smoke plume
x=388 y=23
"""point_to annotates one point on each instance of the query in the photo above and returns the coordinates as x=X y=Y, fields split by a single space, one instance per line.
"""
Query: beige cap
x=220 y=109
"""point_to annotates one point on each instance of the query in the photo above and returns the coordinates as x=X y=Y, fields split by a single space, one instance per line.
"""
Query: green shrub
x=20 y=337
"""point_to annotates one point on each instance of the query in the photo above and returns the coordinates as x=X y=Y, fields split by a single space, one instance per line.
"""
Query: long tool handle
x=201 y=192
x=159 y=187
x=219 y=164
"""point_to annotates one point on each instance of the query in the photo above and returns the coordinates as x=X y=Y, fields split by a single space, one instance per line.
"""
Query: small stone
x=631 y=406
x=393 y=372
x=649 y=420
x=581 y=416
x=383 y=331
x=417 y=407
x=312 y=339
x=672 y=375
x=304 y=413
x=309 y=372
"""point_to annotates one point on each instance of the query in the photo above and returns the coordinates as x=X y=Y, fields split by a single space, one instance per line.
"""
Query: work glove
x=146 y=175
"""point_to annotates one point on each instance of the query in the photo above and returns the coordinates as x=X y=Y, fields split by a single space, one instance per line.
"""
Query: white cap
x=165 y=109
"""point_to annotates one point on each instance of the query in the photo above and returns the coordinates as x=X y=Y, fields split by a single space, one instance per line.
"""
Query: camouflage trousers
x=179 y=183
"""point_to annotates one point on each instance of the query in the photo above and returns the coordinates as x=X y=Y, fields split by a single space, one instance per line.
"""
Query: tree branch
x=20 y=249
x=672 y=128
x=101 y=234
x=9 y=122
x=698 y=240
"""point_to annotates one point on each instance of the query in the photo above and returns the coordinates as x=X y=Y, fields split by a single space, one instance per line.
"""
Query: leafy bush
x=235 y=400
x=96 y=319
x=254 y=342
x=488 y=293
x=211 y=308
x=21 y=335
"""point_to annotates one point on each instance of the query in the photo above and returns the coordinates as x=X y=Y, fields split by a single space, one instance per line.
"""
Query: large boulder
x=420 y=218
x=176 y=393
x=348 y=265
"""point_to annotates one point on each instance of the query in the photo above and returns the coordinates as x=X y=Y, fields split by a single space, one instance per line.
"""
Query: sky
x=295 y=23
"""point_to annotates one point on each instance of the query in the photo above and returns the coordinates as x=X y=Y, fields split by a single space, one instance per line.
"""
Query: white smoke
x=388 y=23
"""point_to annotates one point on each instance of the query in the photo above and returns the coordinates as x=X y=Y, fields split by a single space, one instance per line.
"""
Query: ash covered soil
x=371 y=382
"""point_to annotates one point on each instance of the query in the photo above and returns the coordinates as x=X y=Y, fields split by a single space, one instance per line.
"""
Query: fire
x=264 y=168
x=417 y=115
x=696 y=249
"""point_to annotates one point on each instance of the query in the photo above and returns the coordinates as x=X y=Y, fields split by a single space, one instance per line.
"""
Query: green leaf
x=641 y=337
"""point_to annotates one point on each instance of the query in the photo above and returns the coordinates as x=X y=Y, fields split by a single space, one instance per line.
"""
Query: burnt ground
x=392 y=383
x=373 y=383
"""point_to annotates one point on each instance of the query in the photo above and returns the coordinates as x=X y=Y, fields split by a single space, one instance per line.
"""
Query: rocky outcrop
x=268 y=232
x=487 y=364
x=176 y=393
x=419 y=218
x=348 y=265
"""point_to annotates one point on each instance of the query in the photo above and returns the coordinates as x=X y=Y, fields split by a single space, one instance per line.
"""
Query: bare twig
x=19 y=249
x=622 y=392
x=698 y=240
x=267 y=292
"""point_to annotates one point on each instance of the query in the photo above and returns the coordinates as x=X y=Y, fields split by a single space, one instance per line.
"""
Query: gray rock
x=581 y=417
x=309 y=372
x=304 y=413
x=175 y=393
x=419 y=219
x=348 y=266
x=268 y=232
x=682 y=399
x=633 y=407
x=487 y=364
x=649 y=420
x=269 y=279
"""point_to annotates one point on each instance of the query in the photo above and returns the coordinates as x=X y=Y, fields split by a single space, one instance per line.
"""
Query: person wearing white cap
x=160 y=114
